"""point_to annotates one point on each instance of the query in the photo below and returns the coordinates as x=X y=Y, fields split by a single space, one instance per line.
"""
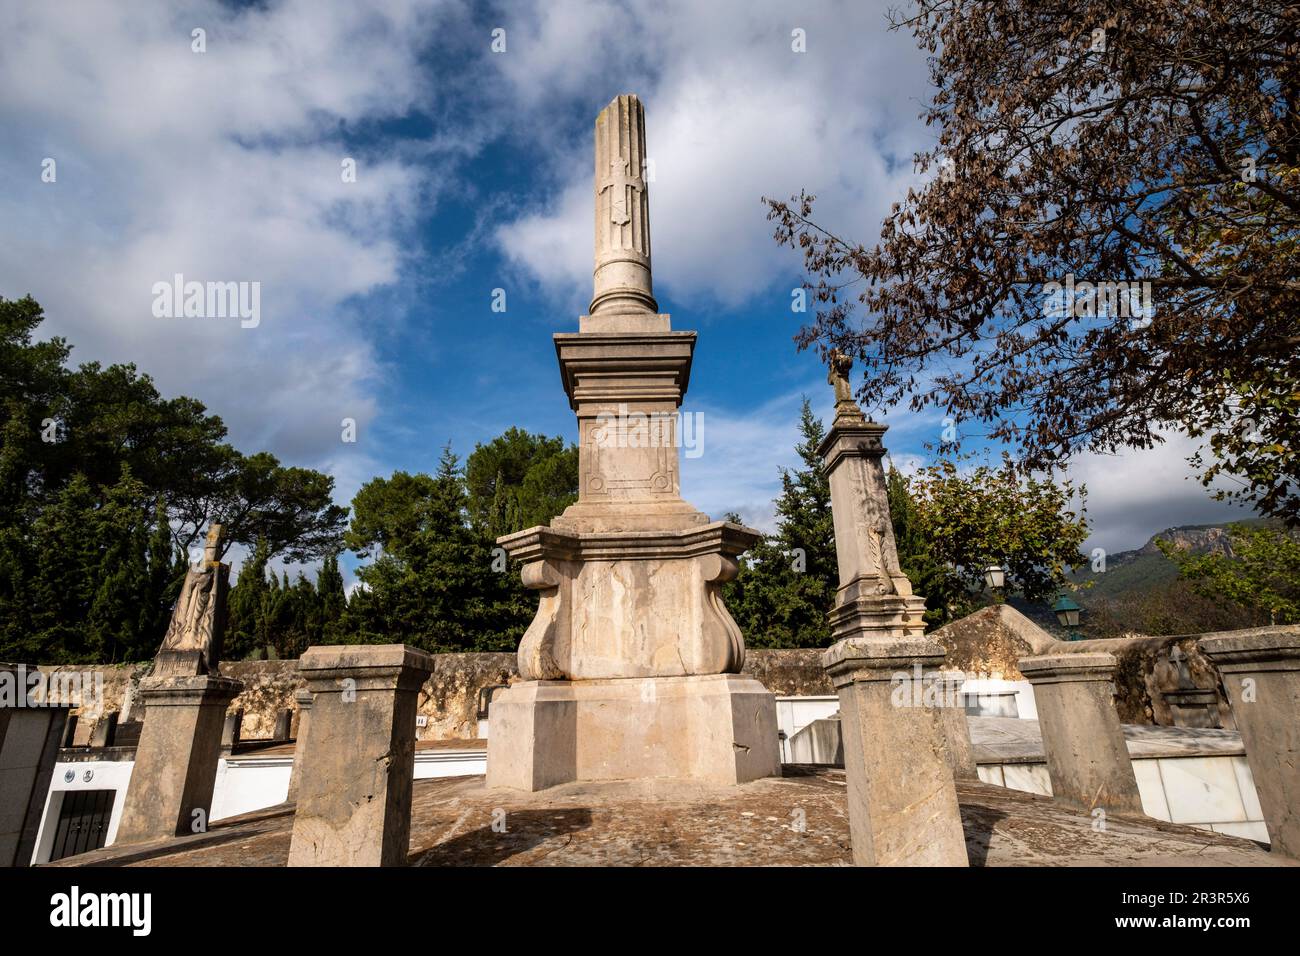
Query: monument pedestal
x=176 y=760
x=715 y=728
x=358 y=758
x=631 y=667
x=902 y=801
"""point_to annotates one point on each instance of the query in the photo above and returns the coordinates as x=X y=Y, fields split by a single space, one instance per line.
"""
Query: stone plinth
x=176 y=760
x=1087 y=758
x=1261 y=673
x=354 y=791
x=717 y=728
x=304 y=698
x=901 y=797
x=630 y=604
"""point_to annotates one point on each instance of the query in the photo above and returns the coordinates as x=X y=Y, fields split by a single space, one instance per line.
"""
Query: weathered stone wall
x=991 y=641
x=789 y=673
x=449 y=699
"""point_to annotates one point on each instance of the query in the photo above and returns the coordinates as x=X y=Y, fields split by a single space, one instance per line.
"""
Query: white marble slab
x=1151 y=788
x=1201 y=790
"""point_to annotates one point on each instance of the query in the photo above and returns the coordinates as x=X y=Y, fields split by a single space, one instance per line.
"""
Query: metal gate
x=83 y=822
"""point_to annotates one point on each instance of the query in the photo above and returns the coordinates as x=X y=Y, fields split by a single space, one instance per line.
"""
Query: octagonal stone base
x=718 y=728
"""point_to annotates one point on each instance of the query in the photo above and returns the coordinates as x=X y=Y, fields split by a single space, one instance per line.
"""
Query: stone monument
x=631 y=667
x=192 y=644
x=185 y=703
x=899 y=766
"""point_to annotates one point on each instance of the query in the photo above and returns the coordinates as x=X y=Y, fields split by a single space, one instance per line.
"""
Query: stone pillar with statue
x=185 y=702
x=631 y=667
x=898 y=763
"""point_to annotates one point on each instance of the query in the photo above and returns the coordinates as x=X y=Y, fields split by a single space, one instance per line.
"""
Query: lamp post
x=995 y=577
x=1067 y=612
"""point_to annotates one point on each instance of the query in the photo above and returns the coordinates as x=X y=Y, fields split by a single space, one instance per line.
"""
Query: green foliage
x=946 y=598
x=963 y=521
x=105 y=485
x=787 y=582
x=1262 y=572
x=432 y=581
x=519 y=480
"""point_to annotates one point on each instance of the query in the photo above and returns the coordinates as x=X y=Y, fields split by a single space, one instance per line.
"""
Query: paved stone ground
x=656 y=823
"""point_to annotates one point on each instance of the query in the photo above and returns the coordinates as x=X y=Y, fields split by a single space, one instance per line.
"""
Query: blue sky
x=473 y=173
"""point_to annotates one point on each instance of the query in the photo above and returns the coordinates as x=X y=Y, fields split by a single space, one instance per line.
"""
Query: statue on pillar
x=192 y=644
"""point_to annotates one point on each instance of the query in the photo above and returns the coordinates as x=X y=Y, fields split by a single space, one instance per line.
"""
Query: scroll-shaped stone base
x=354 y=790
x=630 y=604
x=176 y=760
x=718 y=729
x=1087 y=758
x=902 y=801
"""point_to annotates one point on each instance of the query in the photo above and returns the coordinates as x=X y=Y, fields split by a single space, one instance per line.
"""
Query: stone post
x=170 y=793
x=105 y=729
x=304 y=698
x=230 y=731
x=283 y=725
x=30 y=734
x=1261 y=674
x=902 y=800
x=1087 y=757
x=354 y=792
x=956 y=729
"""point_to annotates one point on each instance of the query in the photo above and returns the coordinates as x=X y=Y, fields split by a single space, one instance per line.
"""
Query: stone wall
x=989 y=642
x=449 y=699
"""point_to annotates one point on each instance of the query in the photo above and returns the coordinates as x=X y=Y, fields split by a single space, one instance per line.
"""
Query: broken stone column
x=902 y=800
x=1261 y=674
x=354 y=792
x=304 y=698
x=1087 y=758
x=30 y=734
x=185 y=704
x=631 y=667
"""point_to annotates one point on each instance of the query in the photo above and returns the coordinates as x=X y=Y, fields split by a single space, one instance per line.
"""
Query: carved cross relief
x=622 y=185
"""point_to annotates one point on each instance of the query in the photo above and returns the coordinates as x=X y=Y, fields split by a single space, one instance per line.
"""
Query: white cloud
x=733 y=115
x=1133 y=495
x=221 y=166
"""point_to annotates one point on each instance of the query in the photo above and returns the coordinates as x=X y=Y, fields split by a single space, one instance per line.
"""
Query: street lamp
x=1067 y=612
x=995 y=576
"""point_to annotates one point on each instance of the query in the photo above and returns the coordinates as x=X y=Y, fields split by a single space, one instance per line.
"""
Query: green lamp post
x=1067 y=612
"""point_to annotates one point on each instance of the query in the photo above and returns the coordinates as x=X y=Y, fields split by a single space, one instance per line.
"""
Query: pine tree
x=333 y=600
x=787 y=583
x=246 y=607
